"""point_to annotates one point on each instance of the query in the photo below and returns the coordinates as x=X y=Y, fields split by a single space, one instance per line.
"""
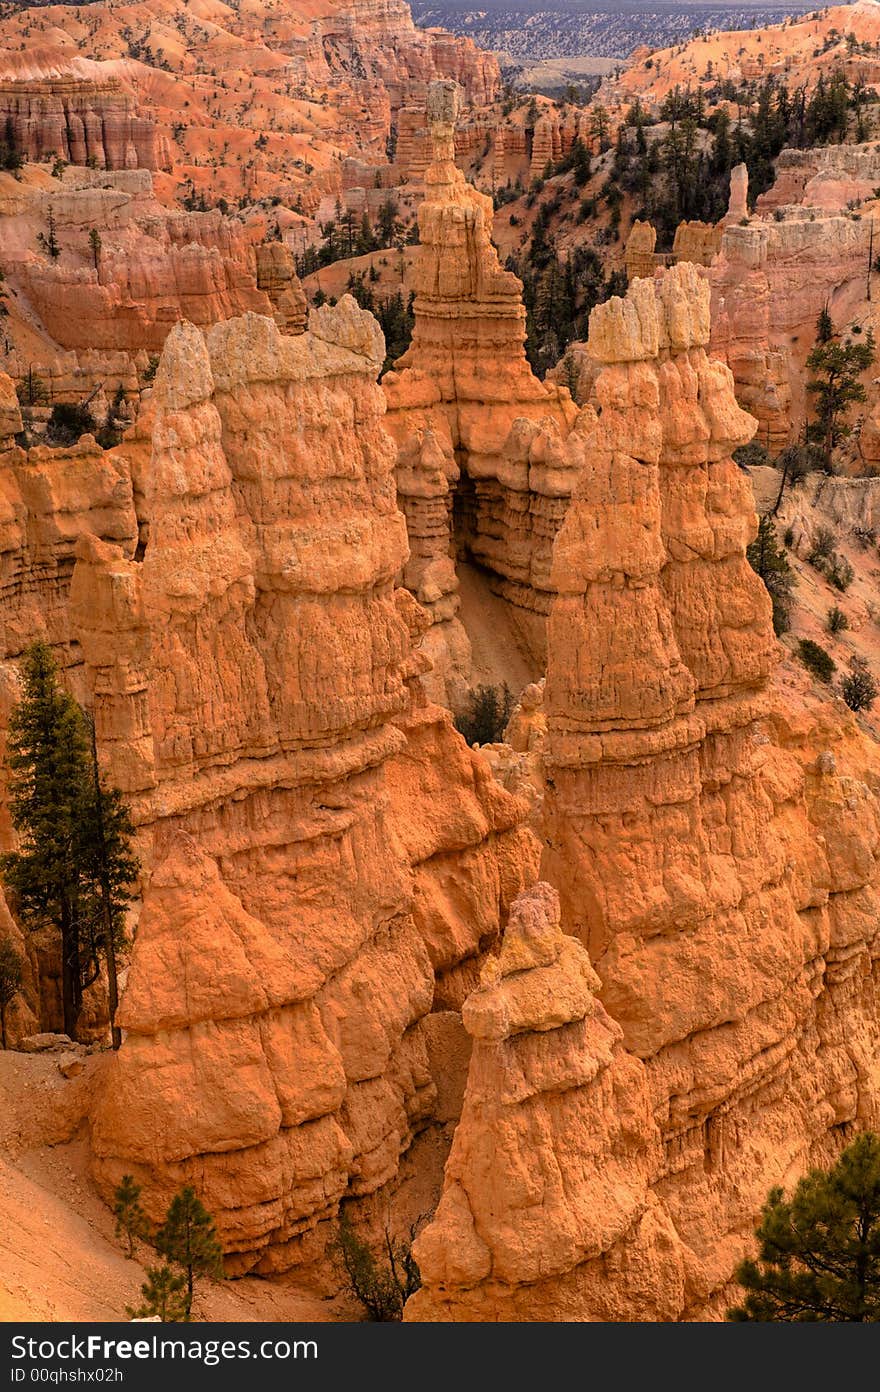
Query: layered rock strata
x=770 y=282
x=325 y=860
x=480 y=439
x=713 y=855
x=80 y=121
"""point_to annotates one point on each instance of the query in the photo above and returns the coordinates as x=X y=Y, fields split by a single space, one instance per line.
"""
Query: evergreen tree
x=189 y=1238
x=819 y=1252
x=131 y=1220
x=11 y=976
x=162 y=1294
x=768 y=559
x=50 y=239
x=859 y=689
x=48 y=762
x=600 y=126
x=73 y=865
x=111 y=866
x=95 y=245
x=836 y=368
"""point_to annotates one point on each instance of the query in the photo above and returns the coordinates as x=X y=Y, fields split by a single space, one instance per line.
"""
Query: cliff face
x=769 y=284
x=153 y=268
x=80 y=121
x=714 y=857
x=48 y=497
x=479 y=437
x=325 y=859
x=79 y=319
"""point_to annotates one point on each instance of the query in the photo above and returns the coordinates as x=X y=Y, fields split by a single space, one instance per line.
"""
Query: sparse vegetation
x=858 y=688
x=837 y=621
x=188 y=1239
x=68 y=422
x=384 y=1283
x=131 y=1220
x=486 y=714
x=768 y=559
x=162 y=1294
x=836 y=366
x=816 y=660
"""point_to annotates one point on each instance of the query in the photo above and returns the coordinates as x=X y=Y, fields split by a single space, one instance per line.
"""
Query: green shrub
x=769 y=561
x=816 y=660
x=68 y=421
x=751 y=456
x=837 y=620
x=839 y=571
x=859 y=688
x=823 y=545
x=381 y=1284
x=486 y=714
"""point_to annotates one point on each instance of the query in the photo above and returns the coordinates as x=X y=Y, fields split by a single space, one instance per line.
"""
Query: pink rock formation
x=770 y=282
x=476 y=431
x=48 y=498
x=827 y=177
x=80 y=121
x=276 y=275
x=326 y=861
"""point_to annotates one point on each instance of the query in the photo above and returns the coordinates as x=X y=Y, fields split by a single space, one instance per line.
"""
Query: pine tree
x=48 y=762
x=189 y=1238
x=110 y=865
x=819 y=1252
x=600 y=126
x=95 y=245
x=11 y=976
x=163 y=1295
x=835 y=384
x=131 y=1220
x=768 y=559
x=74 y=864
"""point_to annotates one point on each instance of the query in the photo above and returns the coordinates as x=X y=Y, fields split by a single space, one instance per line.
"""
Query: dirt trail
x=498 y=653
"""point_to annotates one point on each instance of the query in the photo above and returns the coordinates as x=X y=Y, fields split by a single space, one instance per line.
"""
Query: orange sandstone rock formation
x=326 y=861
x=544 y=1213
x=480 y=439
x=714 y=856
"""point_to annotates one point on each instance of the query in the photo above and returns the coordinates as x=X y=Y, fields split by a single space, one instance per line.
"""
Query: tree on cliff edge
x=819 y=1252
x=836 y=367
x=768 y=559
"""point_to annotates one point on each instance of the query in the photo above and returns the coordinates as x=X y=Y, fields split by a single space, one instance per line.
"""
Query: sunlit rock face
x=325 y=860
x=713 y=839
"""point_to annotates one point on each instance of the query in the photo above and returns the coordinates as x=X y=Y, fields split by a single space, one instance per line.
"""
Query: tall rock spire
x=475 y=429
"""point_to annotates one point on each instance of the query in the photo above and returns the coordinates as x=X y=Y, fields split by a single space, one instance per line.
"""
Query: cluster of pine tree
x=74 y=868
x=346 y=235
x=188 y=1241
x=558 y=293
x=685 y=173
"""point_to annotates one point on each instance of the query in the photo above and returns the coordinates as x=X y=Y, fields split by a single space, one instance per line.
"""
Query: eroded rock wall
x=714 y=840
x=326 y=861
x=480 y=439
